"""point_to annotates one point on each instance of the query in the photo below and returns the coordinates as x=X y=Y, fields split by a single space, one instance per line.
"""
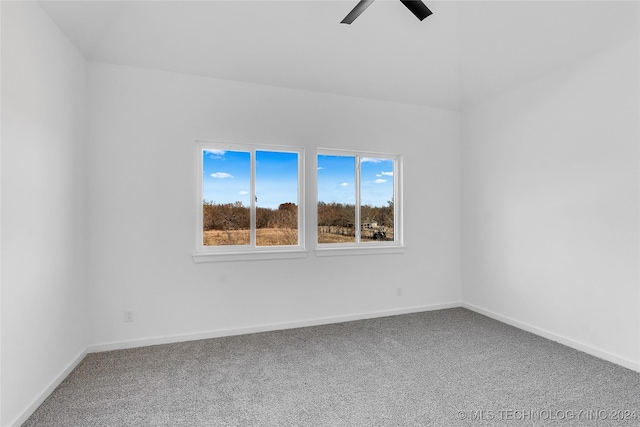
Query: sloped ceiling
x=465 y=52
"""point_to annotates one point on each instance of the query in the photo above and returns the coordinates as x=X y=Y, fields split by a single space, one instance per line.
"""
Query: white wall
x=551 y=205
x=44 y=316
x=143 y=128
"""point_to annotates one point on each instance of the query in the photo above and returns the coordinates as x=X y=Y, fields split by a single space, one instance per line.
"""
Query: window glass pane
x=225 y=194
x=376 y=199
x=276 y=198
x=336 y=199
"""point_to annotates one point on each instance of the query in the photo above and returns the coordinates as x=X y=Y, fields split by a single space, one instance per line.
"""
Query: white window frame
x=247 y=252
x=358 y=247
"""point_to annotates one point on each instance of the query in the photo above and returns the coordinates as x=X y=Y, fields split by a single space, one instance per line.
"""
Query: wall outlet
x=128 y=316
x=399 y=291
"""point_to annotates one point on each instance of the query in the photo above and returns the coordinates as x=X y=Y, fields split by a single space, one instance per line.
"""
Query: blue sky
x=226 y=177
x=336 y=180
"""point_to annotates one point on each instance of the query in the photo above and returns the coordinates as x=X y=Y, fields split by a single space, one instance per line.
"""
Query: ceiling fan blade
x=417 y=8
x=360 y=7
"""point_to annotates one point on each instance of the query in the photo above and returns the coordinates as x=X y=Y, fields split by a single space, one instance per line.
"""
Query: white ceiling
x=463 y=53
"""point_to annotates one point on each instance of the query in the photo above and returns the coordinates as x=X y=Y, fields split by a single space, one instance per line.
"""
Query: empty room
x=320 y=213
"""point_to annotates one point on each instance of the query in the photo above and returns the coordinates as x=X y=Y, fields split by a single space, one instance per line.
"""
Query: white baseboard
x=120 y=345
x=45 y=392
x=586 y=348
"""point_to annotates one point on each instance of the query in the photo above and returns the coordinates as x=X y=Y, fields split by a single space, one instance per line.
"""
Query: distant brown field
x=336 y=234
x=273 y=237
x=334 y=238
x=264 y=237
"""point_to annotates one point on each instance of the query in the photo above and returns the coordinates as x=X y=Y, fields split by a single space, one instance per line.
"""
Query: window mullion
x=357 y=213
x=397 y=223
x=252 y=199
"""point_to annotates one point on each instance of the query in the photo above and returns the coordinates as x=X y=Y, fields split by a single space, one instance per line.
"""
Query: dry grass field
x=335 y=238
x=270 y=237
x=264 y=237
x=335 y=234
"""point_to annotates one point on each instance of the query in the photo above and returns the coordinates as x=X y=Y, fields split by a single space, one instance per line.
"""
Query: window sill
x=247 y=256
x=359 y=250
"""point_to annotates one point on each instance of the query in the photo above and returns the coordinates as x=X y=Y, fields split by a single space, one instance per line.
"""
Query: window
x=358 y=200
x=250 y=201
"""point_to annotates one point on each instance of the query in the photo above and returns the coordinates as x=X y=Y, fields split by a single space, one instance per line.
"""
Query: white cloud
x=243 y=192
x=320 y=168
x=344 y=184
x=221 y=175
x=370 y=160
x=387 y=173
x=379 y=181
x=215 y=154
